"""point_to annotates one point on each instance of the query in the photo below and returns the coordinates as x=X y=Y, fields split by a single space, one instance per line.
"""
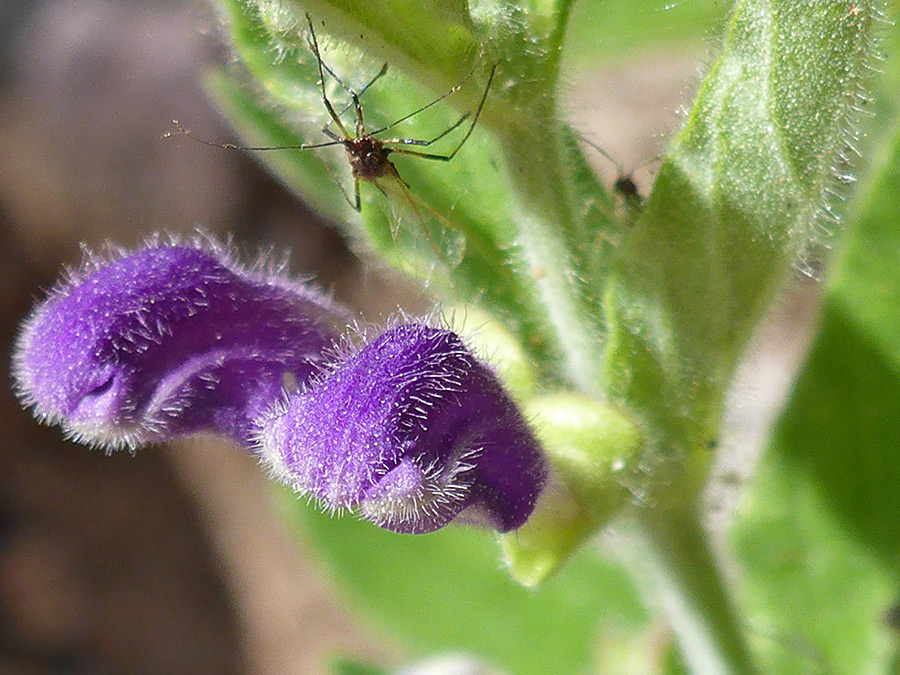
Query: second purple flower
x=414 y=431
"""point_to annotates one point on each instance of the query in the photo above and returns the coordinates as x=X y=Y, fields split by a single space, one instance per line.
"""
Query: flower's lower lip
x=96 y=435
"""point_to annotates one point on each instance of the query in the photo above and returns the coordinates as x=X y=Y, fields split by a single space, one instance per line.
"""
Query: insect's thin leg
x=452 y=153
x=423 y=155
x=381 y=73
x=415 y=207
x=346 y=87
x=354 y=101
x=333 y=136
x=354 y=96
x=340 y=184
x=603 y=152
x=425 y=107
x=314 y=46
x=393 y=222
x=354 y=203
x=360 y=124
x=334 y=177
x=477 y=113
x=416 y=141
x=362 y=91
x=181 y=130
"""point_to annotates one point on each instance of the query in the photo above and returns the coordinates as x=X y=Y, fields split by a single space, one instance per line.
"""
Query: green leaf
x=818 y=537
x=446 y=592
x=297 y=170
x=814 y=598
x=409 y=35
x=438 y=40
x=842 y=425
x=734 y=204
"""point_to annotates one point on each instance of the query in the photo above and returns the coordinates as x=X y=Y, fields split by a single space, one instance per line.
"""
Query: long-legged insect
x=369 y=155
x=624 y=184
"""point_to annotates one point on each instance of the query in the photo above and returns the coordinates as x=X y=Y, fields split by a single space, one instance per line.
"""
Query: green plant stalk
x=732 y=206
x=672 y=564
x=547 y=225
x=667 y=550
x=545 y=219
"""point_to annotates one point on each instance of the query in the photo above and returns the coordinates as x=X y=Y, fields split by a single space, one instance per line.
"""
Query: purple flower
x=413 y=431
x=168 y=340
x=174 y=338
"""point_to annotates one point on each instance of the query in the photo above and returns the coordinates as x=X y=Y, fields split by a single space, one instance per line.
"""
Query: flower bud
x=413 y=431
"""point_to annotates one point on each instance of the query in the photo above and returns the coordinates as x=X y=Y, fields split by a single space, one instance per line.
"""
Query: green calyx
x=593 y=451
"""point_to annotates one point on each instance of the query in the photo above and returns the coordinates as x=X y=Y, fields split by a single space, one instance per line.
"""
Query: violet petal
x=412 y=430
x=167 y=340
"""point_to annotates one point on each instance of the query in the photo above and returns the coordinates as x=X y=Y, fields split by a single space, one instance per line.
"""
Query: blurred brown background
x=170 y=560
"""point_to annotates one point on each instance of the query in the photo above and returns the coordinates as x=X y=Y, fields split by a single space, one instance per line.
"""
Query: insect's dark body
x=626 y=187
x=368 y=158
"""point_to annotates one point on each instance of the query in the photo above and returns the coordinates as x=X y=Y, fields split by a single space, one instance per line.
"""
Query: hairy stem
x=668 y=551
x=546 y=221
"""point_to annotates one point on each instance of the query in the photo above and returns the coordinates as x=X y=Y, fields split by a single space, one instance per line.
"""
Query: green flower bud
x=593 y=450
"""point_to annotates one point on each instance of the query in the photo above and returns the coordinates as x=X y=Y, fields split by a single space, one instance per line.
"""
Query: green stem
x=670 y=551
x=545 y=223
